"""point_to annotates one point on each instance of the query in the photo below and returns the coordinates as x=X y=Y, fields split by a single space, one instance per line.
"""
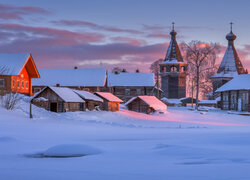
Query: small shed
x=58 y=99
x=146 y=104
x=92 y=101
x=110 y=101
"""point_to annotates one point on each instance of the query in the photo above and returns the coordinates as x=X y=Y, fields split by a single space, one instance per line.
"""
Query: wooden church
x=230 y=66
x=173 y=71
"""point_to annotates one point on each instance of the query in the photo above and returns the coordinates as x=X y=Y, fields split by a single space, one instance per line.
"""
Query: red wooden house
x=16 y=73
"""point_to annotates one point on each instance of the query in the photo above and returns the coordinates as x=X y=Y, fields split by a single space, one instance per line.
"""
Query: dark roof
x=173 y=52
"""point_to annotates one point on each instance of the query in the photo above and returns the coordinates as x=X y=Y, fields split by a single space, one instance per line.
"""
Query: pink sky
x=62 y=43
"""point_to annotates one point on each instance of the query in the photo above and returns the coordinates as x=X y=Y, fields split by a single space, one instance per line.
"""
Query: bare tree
x=155 y=68
x=201 y=58
x=116 y=70
x=8 y=99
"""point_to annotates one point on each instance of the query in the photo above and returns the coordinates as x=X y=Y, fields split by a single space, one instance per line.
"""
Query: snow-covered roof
x=71 y=77
x=109 y=96
x=67 y=94
x=88 y=96
x=174 y=61
x=130 y=79
x=171 y=101
x=152 y=101
x=12 y=63
x=240 y=82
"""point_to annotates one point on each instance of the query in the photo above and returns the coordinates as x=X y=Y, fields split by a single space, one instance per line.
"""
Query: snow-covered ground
x=180 y=144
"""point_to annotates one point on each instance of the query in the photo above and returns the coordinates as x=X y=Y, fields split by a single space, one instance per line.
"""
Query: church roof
x=173 y=53
x=230 y=65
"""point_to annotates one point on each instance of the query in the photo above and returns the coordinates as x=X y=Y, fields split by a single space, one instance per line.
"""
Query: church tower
x=230 y=66
x=173 y=71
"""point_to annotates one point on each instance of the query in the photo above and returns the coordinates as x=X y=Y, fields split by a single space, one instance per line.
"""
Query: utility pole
x=31 y=116
x=157 y=84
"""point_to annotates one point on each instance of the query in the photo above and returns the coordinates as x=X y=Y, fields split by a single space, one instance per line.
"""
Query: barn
x=126 y=85
x=146 y=104
x=92 y=101
x=58 y=99
x=235 y=94
x=110 y=101
x=16 y=73
x=89 y=79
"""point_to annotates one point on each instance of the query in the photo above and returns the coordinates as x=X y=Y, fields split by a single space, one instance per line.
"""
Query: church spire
x=230 y=64
x=173 y=52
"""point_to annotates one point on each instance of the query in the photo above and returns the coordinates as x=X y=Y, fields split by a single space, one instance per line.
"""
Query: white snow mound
x=70 y=150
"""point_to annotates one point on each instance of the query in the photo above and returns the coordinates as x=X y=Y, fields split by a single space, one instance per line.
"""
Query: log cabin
x=16 y=73
x=92 y=101
x=110 y=101
x=127 y=85
x=91 y=80
x=235 y=94
x=58 y=99
x=146 y=104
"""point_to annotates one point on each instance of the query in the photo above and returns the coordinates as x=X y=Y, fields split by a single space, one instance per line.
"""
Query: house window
x=27 y=84
x=13 y=83
x=18 y=84
x=22 y=84
x=2 y=83
x=138 y=91
x=127 y=92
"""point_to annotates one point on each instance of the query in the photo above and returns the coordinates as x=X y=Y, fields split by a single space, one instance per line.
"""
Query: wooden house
x=146 y=104
x=235 y=95
x=91 y=80
x=16 y=73
x=58 y=99
x=110 y=101
x=92 y=101
x=127 y=85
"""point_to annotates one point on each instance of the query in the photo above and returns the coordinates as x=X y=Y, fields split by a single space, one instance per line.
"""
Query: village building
x=16 y=73
x=90 y=80
x=178 y=102
x=230 y=66
x=58 y=99
x=127 y=85
x=173 y=71
x=235 y=95
x=92 y=102
x=110 y=101
x=146 y=104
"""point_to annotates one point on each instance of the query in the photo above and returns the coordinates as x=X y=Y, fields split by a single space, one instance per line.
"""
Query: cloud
x=159 y=35
x=8 y=12
x=45 y=36
x=132 y=41
x=95 y=26
x=58 y=48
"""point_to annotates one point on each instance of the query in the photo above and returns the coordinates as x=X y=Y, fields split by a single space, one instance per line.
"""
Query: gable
x=31 y=68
